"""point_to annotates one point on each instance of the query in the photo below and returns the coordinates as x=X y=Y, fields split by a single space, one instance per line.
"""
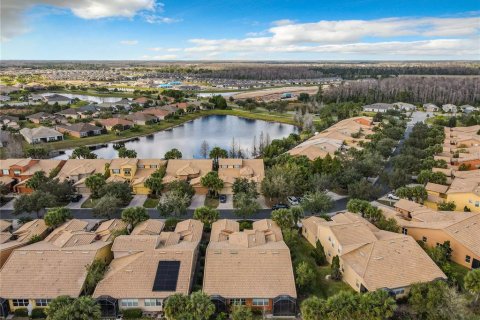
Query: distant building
x=80 y=130
x=449 y=108
x=430 y=107
x=57 y=98
x=378 y=107
x=40 y=134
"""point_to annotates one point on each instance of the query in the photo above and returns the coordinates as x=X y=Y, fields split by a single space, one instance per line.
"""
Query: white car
x=293 y=201
x=392 y=196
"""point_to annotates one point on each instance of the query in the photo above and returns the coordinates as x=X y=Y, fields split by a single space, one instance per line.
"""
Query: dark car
x=75 y=197
x=279 y=206
x=222 y=198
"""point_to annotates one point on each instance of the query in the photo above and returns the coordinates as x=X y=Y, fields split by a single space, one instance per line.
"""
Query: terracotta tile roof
x=252 y=169
x=84 y=167
x=177 y=168
x=377 y=263
x=468 y=185
x=110 y=122
x=52 y=267
x=118 y=163
x=440 y=188
x=149 y=227
x=249 y=264
x=132 y=273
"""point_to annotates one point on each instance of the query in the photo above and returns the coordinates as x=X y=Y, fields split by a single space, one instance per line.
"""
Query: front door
x=475 y=264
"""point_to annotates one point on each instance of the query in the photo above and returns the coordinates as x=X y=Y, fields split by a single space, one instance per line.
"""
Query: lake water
x=86 y=97
x=217 y=130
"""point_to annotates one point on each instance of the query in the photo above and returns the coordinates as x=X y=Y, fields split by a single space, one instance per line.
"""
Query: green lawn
x=90 y=203
x=322 y=288
x=211 y=202
x=150 y=203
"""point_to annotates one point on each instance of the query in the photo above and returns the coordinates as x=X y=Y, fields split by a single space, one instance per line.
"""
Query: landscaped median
x=71 y=142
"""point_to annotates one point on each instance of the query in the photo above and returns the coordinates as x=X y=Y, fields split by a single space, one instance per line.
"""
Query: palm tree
x=217 y=153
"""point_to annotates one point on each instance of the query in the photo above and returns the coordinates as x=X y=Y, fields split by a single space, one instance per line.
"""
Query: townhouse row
x=251 y=267
x=15 y=173
x=461 y=152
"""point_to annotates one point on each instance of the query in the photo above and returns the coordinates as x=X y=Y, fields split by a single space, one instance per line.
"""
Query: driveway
x=78 y=205
x=228 y=205
x=137 y=201
x=8 y=205
x=198 y=200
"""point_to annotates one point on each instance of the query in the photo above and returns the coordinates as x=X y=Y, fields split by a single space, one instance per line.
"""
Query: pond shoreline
x=272 y=118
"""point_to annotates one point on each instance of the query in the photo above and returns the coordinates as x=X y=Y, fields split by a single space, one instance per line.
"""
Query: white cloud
x=436 y=37
x=129 y=42
x=13 y=11
x=160 y=19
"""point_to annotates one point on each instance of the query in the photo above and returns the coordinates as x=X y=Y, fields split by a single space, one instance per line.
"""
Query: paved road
x=417 y=116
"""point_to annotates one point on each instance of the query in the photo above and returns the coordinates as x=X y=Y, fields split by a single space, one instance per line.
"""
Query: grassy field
x=211 y=202
x=321 y=288
x=90 y=203
x=72 y=142
x=150 y=203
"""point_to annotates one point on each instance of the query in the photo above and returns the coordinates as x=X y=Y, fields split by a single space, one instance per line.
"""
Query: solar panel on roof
x=167 y=276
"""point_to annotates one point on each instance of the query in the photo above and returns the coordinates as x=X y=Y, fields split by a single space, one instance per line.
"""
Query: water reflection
x=217 y=130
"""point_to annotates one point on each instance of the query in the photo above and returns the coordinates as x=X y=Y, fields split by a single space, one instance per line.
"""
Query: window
x=129 y=302
x=16 y=172
x=5 y=171
x=153 y=166
x=404 y=230
x=467 y=259
x=127 y=172
x=260 y=302
x=238 y=302
x=424 y=239
x=116 y=171
x=20 y=302
x=141 y=166
x=477 y=204
x=153 y=302
x=398 y=291
x=42 y=302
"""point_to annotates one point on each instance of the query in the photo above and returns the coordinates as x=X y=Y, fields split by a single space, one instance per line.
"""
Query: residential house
x=344 y=134
x=57 y=98
x=149 y=266
x=430 y=107
x=35 y=274
x=250 y=267
x=70 y=113
x=231 y=169
x=80 y=130
x=20 y=237
x=140 y=101
x=191 y=170
x=40 y=134
x=405 y=106
x=88 y=111
x=466 y=108
x=449 y=108
x=433 y=228
x=23 y=169
x=122 y=169
x=160 y=114
x=378 y=107
x=40 y=117
x=436 y=193
x=10 y=122
x=141 y=119
x=370 y=258
x=117 y=123
x=145 y=168
x=78 y=170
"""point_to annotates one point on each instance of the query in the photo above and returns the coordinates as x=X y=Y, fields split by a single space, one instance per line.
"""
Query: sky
x=240 y=30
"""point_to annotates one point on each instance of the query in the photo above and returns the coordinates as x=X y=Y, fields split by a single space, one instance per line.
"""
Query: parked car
x=391 y=196
x=279 y=206
x=293 y=201
x=222 y=198
x=75 y=197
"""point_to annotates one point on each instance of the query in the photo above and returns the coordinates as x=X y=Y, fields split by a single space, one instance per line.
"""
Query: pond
x=216 y=130
x=85 y=97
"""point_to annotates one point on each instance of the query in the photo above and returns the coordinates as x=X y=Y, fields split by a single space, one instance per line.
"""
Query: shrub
x=133 y=313
x=21 y=312
x=38 y=313
x=171 y=223
x=245 y=224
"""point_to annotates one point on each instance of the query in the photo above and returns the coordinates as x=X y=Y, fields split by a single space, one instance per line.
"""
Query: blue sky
x=240 y=30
